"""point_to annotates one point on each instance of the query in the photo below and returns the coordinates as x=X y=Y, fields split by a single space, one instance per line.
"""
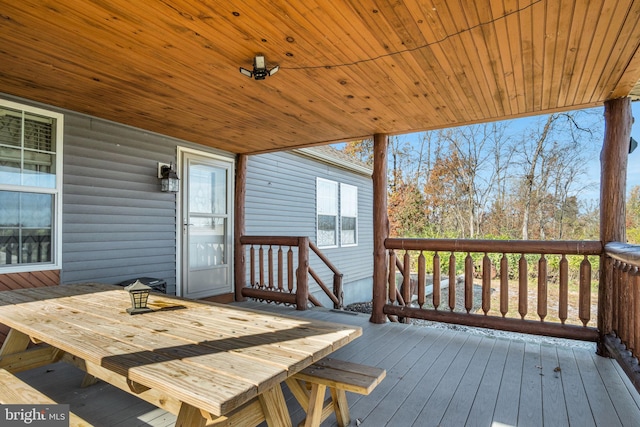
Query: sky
x=633 y=161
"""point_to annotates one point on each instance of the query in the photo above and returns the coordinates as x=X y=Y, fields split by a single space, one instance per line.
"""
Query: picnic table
x=202 y=361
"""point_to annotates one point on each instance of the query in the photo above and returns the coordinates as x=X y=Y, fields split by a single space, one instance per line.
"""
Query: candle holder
x=139 y=293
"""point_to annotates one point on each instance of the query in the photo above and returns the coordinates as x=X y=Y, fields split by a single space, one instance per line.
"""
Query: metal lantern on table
x=139 y=293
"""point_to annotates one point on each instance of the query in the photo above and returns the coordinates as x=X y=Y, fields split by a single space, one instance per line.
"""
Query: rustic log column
x=302 y=274
x=380 y=227
x=613 y=169
x=240 y=269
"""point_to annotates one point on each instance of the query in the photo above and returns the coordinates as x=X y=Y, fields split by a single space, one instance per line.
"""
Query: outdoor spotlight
x=139 y=293
x=169 y=181
x=260 y=70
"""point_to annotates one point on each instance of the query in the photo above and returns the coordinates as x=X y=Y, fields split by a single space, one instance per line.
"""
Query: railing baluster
x=468 y=282
x=635 y=284
x=452 y=281
x=624 y=301
x=270 y=255
x=486 y=284
x=406 y=282
x=261 y=254
x=631 y=327
x=542 y=288
x=252 y=272
x=523 y=295
x=436 y=281
x=630 y=307
x=504 y=285
x=392 y=276
x=615 y=316
x=290 y=270
x=268 y=287
x=585 y=291
x=563 y=301
x=280 y=269
x=422 y=275
x=552 y=286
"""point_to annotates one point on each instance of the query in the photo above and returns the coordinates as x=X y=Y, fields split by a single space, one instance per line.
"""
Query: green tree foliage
x=633 y=215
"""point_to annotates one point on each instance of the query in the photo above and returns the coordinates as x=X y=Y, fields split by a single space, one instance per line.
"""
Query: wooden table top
x=212 y=356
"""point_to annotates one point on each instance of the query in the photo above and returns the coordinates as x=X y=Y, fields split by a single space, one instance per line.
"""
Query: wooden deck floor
x=435 y=377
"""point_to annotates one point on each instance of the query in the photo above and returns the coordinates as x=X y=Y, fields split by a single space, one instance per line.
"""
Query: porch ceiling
x=349 y=69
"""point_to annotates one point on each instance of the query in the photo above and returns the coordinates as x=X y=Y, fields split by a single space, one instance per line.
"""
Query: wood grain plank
x=574 y=389
x=596 y=29
x=405 y=368
x=554 y=406
x=410 y=408
x=517 y=55
x=457 y=412
x=530 y=410
x=482 y=411
x=554 y=42
x=624 y=44
x=624 y=403
x=414 y=360
x=211 y=356
x=508 y=402
x=439 y=402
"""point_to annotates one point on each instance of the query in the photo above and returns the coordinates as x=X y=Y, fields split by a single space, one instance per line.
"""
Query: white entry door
x=207 y=255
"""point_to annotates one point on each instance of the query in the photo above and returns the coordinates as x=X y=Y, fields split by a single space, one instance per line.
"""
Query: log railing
x=623 y=339
x=504 y=303
x=279 y=270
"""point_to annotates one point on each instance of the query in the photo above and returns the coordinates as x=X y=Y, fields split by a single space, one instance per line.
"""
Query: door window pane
x=207 y=189
x=207 y=242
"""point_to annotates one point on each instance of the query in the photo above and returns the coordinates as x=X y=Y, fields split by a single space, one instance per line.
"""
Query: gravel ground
x=365 y=307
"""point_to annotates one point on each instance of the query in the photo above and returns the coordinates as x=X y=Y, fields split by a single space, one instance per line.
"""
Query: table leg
x=275 y=408
x=316 y=400
x=16 y=342
x=190 y=416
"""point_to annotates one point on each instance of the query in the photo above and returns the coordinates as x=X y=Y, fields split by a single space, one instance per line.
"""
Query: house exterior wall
x=116 y=223
x=281 y=201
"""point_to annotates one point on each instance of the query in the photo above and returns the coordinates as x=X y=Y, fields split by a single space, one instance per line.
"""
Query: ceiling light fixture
x=260 y=71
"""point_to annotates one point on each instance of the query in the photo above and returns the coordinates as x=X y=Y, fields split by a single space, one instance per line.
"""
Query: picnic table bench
x=310 y=384
x=16 y=391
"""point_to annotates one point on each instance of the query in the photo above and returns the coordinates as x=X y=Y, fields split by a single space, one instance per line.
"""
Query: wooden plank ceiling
x=348 y=69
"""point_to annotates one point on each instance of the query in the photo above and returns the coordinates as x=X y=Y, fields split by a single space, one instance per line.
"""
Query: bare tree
x=551 y=160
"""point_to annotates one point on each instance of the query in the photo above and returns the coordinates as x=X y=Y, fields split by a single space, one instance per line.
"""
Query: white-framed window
x=337 y=213
x=30 y=188
x=348 y=215
x=327 y=211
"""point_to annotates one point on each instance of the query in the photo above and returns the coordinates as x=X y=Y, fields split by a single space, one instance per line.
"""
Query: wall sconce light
x=260 y=70
x=139 y=293
x=169 y=181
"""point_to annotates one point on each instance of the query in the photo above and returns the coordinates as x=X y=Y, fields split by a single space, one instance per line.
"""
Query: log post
x=380 y=227
x=613 y=183
x=302 y=274
x=239 y=229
